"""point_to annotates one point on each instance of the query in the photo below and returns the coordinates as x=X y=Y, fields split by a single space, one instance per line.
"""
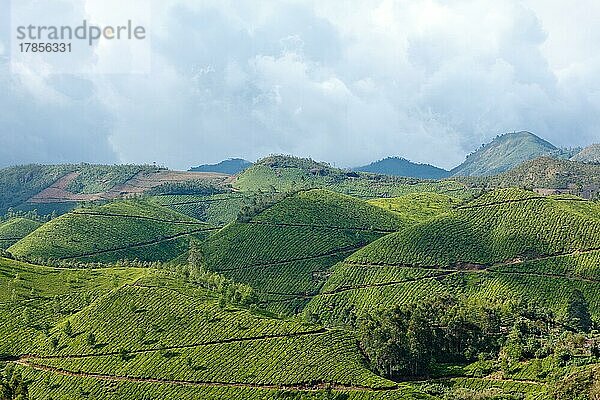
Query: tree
x=67 y=329
x=12 y=385
x=578 y=313
x=196 y=257
x=91 y=339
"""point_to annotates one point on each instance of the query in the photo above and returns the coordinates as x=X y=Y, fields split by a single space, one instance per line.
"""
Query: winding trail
x=127 y=216
x=334 y=252
x=445 y=272
x=313 y=386
x=496 y=203
x=315 y=332
x=332 y=227
x=142 y=244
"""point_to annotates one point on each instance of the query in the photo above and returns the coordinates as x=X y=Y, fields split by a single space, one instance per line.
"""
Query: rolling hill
x=129 y=229
x=58 y=188
x=286 y=173
x=69 y=334
x=402 y=167
x=508 y=243
x=15 y=229
x=285 y=251
x=503 y=153
x=232 y=166
x=305 y=281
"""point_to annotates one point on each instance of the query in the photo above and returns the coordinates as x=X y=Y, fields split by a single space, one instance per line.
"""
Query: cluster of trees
x=260 y=203
x=12 y=385
x=196 y=271
x=32 y=215
x=409 y=340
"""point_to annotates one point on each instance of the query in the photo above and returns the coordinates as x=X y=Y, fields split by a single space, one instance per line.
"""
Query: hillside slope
x=285 y=251
x=576 y=178
x=286 y=173
x=590 y=154
x=15 y=229
x=503 y=153
x=128 y=333
x=127 y=229
x=402 y=167
x=509 y=243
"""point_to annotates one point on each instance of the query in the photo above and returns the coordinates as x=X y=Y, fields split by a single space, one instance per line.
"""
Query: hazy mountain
x=232 y=166
x=590 y=154
x=402 y=167
x=503 y=153
x=582 y=179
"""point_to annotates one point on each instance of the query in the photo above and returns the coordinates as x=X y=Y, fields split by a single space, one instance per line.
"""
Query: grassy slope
x=507 y=243
x=15 y=229
x=181 y=334
x=95 y=234
x=285 y=251
x=217 y=210
x=35 y=298
x=418 y=207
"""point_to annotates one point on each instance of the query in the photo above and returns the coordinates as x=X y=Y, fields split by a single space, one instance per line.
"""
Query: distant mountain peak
x=506 y=151
x=400 y=166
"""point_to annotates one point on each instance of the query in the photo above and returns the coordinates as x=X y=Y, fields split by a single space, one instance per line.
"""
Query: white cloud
x=346 y=82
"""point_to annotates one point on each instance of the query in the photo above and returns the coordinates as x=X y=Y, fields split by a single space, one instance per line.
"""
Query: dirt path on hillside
x=300 y=386
x=142 y=244
x=335 y=252
x=170 y=221
x=496 y=203
x=301 y=296
x=292 y=225
x=315 y=332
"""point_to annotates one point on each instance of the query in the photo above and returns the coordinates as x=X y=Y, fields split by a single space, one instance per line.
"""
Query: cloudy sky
x=342 y=81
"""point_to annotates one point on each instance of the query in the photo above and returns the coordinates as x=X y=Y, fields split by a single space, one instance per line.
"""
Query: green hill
x=287 y=173
x=285 y=251
x=590 y=154
x=128 y=332
x=402 y=167
x=508 y=243
x=15 y=229
x=129 y=229
x=503 y=153
x=217 y=209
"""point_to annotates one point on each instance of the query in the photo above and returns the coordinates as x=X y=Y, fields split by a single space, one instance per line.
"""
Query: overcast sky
x=341 y=81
